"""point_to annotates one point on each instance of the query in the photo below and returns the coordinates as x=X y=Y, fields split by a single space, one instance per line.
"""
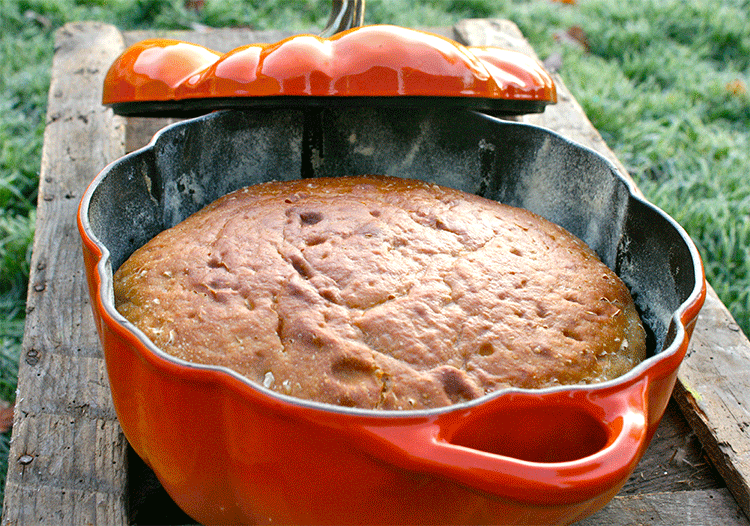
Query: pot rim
x=681 y=320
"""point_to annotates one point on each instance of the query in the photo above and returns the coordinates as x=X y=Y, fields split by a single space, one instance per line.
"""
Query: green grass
x=665 y=81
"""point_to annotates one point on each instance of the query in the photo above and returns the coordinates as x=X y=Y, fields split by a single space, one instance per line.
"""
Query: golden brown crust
x=383 y=293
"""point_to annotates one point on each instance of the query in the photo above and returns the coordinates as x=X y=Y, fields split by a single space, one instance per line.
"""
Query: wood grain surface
x=67 y=456
x=70 y=464
x=713 y=388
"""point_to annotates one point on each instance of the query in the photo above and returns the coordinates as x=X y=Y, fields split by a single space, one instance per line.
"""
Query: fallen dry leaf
x=579 y=35
x=6 y=416
x=575 y=35
x=737 y=87
x=194 y=5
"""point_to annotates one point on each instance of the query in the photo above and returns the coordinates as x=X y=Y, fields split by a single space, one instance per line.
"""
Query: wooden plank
x=566 y=117
x=686 y=508
x=67 y=455
x=673 y=462
x=69 y=461
x=714 y=393
x=713 y=382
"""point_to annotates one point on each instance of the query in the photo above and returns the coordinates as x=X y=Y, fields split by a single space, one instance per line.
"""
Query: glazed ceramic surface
x=230 y=451
x=380 y=64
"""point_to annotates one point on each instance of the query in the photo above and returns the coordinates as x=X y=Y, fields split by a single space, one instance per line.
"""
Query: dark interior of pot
x=196 y=161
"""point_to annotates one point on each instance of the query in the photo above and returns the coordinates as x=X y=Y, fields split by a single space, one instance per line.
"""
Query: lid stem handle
x=345 y=14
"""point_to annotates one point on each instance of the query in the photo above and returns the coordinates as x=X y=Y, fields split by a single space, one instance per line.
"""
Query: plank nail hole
x=32 y=357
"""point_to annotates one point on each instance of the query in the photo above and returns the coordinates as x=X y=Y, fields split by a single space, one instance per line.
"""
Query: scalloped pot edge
x=377 y=61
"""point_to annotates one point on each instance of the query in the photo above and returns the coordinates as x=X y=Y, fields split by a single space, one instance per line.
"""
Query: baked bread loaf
x=380 y=293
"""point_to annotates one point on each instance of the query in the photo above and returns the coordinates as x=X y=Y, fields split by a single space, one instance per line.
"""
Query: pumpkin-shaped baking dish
x=230 y=451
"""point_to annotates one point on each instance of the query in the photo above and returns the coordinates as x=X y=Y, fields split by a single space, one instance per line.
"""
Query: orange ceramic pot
x=230 y=451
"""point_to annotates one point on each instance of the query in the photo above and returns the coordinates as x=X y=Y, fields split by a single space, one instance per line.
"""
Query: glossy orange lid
x=378 y=64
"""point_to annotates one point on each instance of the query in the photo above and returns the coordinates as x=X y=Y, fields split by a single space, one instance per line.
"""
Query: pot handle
x=555 y=447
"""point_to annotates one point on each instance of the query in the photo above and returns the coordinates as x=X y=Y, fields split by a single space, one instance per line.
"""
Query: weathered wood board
x=714 y=394
x=713 y=387
x=70 y=464
x=67 y=455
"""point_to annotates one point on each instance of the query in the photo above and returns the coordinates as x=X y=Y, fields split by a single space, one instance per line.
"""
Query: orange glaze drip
x=379 y=60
